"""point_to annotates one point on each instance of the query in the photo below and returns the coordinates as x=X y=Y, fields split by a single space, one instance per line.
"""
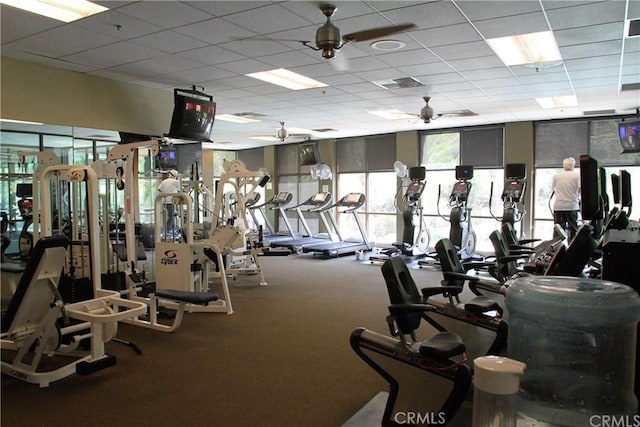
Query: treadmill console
x=320 y=198
x=352 y=200
x=282 y=198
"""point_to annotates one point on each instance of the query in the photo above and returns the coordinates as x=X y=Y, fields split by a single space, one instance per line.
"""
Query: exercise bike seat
x=482 y=304
x=442 y=346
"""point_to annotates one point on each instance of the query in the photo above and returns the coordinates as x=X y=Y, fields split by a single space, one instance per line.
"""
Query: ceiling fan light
x=328 y=53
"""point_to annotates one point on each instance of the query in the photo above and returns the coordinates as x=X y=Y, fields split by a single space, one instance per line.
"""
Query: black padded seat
x=482 y=304
x=200 y=298
x=30 y=270
x=442 y=346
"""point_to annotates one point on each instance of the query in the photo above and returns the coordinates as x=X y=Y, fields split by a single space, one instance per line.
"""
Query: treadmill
x=351 y=203
x=317 y=204
x=277 y=202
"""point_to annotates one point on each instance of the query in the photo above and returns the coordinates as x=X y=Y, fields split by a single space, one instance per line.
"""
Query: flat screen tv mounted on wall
x=167 y=158
x=193 y=115
x=309 y=154
x=629 y=133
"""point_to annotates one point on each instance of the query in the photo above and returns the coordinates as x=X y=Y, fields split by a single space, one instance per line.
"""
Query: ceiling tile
x=169 y=41
x=167 y=14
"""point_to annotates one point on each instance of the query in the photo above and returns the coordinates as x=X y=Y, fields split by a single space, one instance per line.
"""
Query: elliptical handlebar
x=438 y=204
x=491 y=204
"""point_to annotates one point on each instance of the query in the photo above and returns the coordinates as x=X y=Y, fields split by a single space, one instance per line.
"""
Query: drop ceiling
x=213 y=44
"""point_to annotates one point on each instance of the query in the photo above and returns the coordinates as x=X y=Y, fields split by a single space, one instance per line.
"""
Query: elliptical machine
x=512 y=194
x=415 y=239
x=461 y=232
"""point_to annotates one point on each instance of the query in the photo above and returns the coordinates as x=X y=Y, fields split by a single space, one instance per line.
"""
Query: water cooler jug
x=577 y=337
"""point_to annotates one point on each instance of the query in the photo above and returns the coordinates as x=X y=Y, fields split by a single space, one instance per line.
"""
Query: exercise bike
x=415 y=240
x=461 y=233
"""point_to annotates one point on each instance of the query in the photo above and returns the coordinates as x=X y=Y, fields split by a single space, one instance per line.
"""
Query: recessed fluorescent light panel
x=529 y=48
x=286 y=78
x=391 y=114
x=62 y=10
x=558 y=101
x=235 y=119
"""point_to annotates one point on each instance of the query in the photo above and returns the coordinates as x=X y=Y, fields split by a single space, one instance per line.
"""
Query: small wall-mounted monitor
x=167 y=158
x=193 y=116
x=629 y=133
x=309 y=154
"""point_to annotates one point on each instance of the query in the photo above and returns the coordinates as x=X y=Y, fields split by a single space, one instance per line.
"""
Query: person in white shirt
x=170 y=184
x=566 y=185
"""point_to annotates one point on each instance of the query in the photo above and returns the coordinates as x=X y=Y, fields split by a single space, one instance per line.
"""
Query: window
x=554 y=141
x=297 y=180
x=365 y=165
x=441 y=152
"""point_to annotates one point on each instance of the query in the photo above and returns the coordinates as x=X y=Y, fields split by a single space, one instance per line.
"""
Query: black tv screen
x=590 y=197
x=192 y=118
x=309 y=154
x=629 y=133
x=167 y=158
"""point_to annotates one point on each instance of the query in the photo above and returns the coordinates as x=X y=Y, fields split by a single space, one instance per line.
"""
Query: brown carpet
x=281 y=359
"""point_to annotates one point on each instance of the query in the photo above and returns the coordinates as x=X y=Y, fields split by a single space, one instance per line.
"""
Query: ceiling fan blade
x=269 y=39
x=374 y=33
x=459 y=113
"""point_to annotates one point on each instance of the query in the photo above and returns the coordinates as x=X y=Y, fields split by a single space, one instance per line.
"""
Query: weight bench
x=153 y=302
x=37 y=321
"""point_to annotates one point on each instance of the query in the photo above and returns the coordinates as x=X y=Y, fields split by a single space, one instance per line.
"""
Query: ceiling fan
x=427 y=113
x=328 y=39
x=282 y=134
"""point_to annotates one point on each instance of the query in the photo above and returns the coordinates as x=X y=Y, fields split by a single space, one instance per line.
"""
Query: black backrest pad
x=25 y=280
